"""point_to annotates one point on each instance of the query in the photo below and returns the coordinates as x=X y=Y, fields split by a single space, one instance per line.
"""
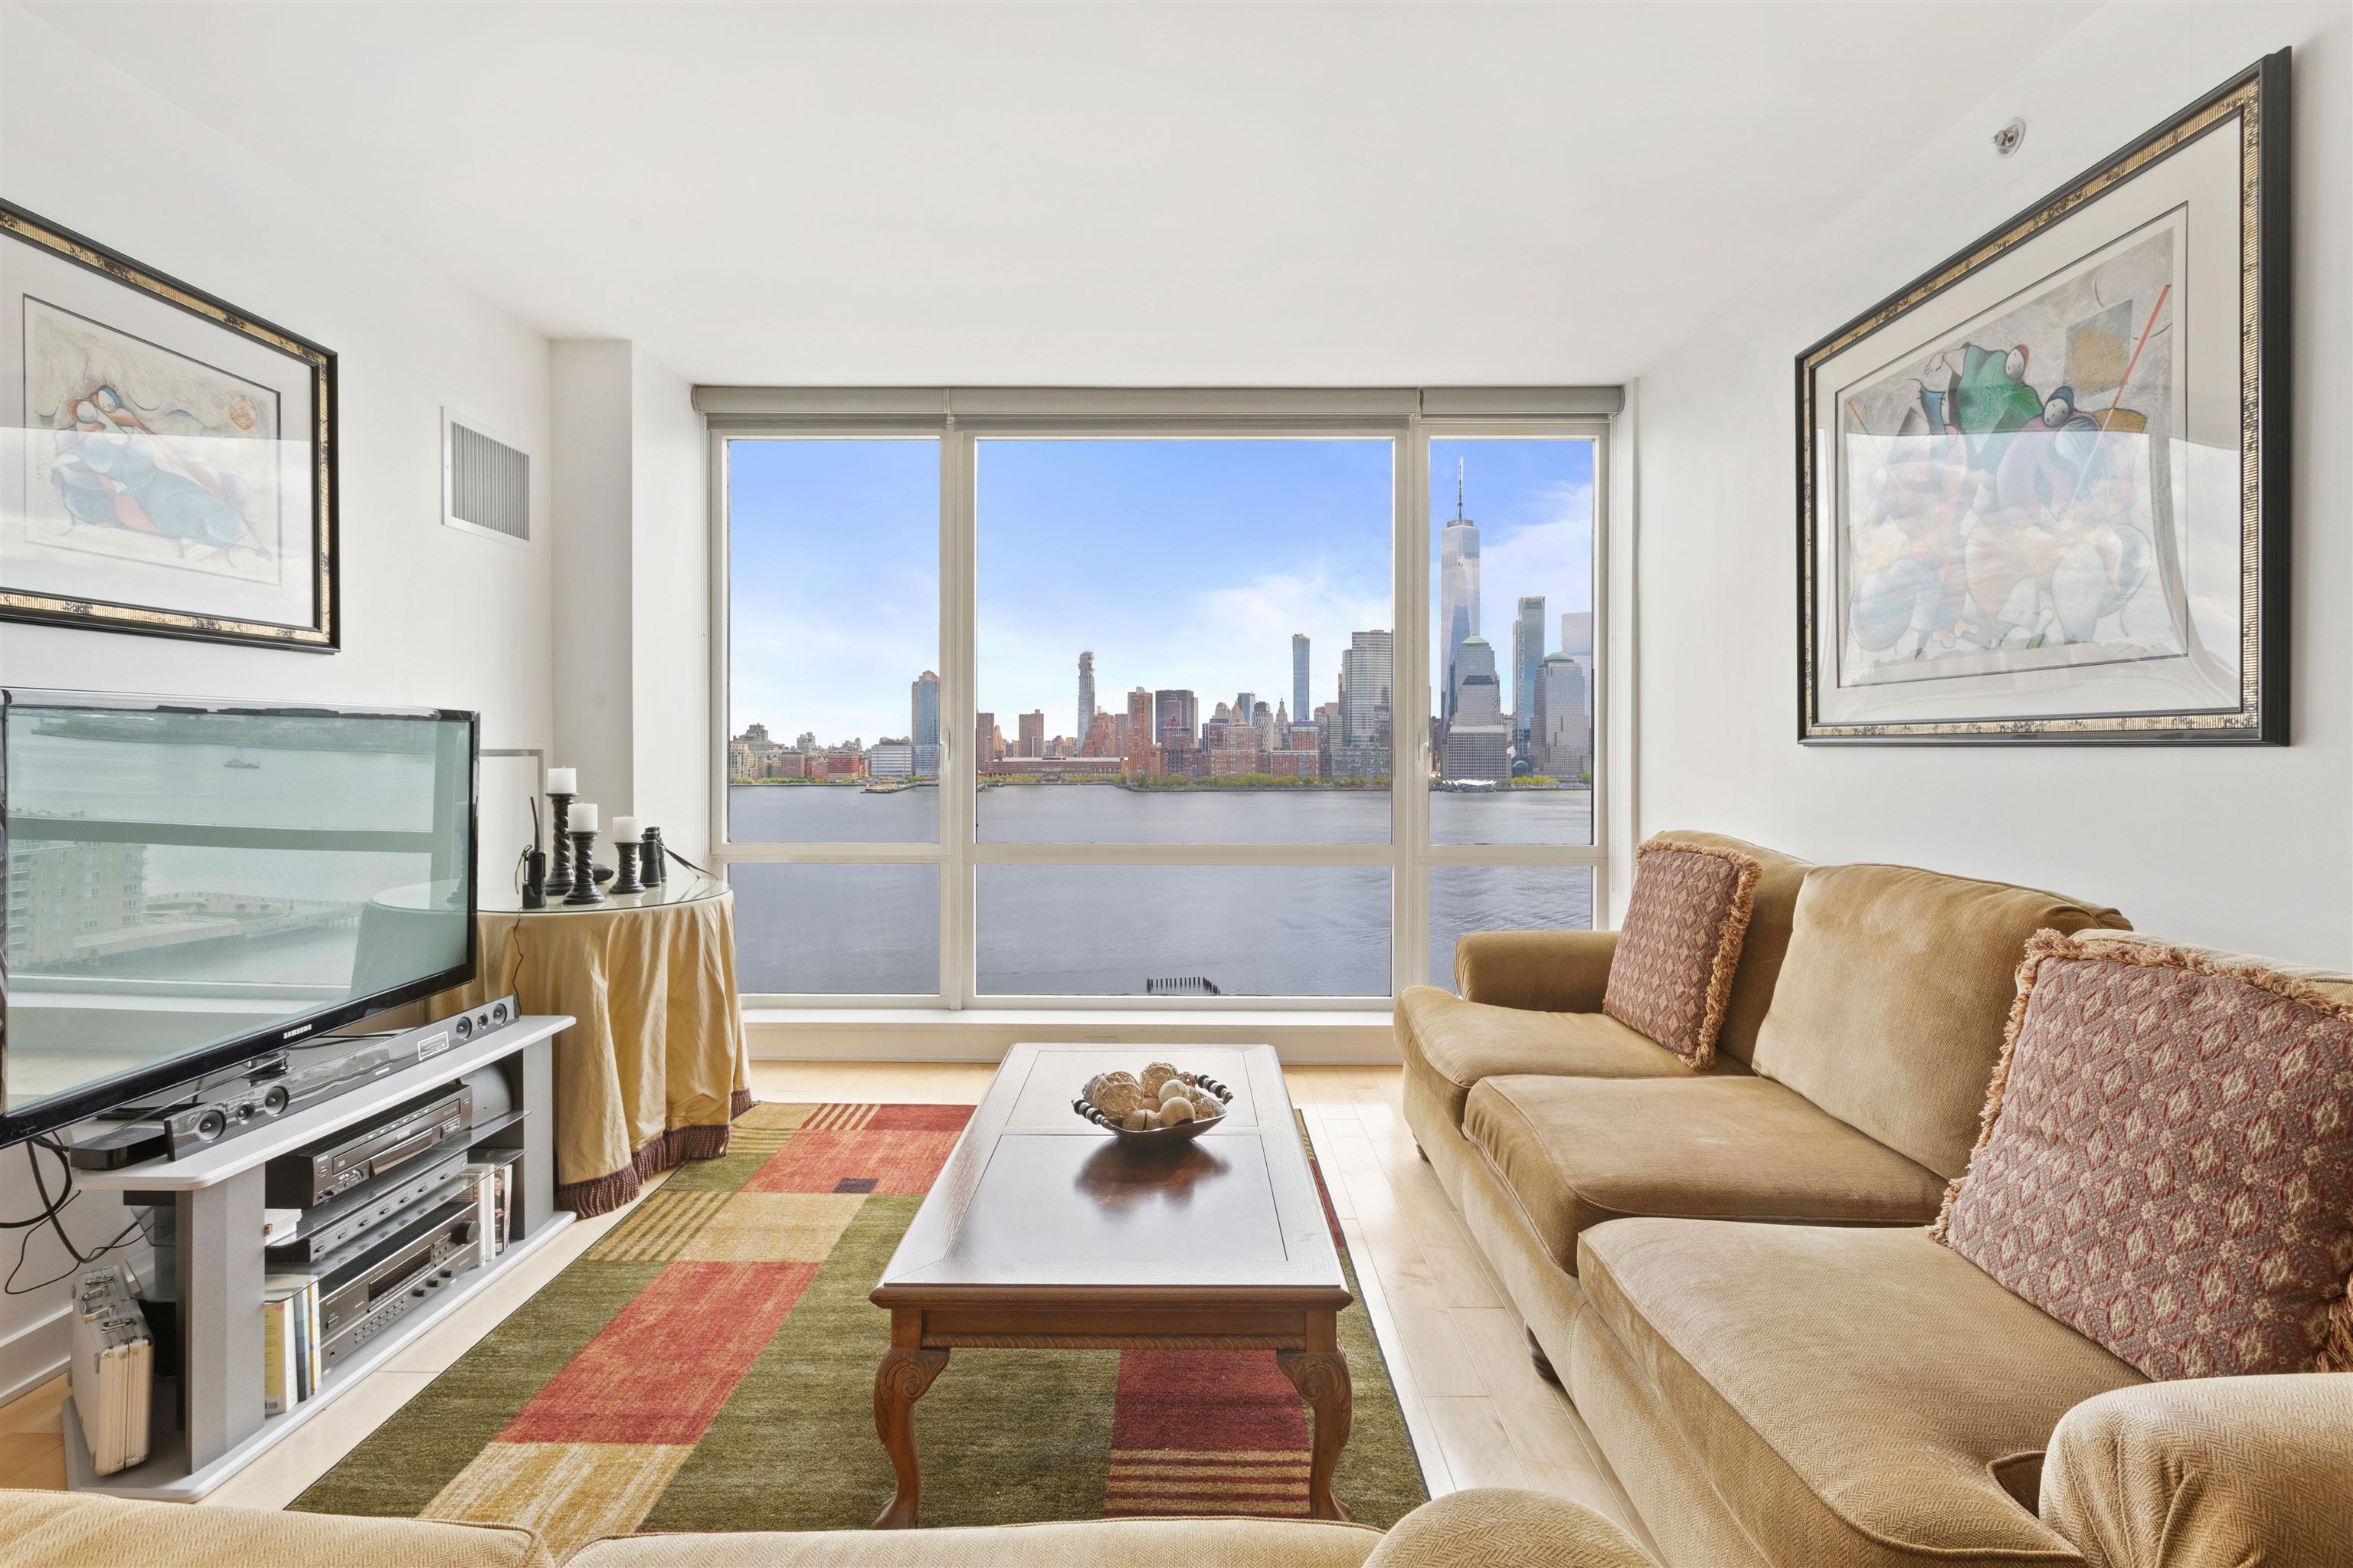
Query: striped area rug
x=709 y=1364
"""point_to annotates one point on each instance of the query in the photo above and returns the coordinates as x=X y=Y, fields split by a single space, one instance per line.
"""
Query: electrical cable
x=53 y=1213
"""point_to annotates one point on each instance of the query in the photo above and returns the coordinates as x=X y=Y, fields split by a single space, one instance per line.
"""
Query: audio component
x=343 y=1161
x=366 y=1288
x=197 y=1116
x=339 y=1222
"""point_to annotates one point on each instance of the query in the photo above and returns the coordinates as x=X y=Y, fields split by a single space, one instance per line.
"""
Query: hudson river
x=1105 y=931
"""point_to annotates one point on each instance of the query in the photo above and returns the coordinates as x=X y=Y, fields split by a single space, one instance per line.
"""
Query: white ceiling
x=1113 y=195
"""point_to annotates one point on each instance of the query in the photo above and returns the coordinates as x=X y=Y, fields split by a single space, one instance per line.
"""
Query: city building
x=890 y=760
x=987 y=739
x=1458 y=592
x=1054 y=767
x=1086 y=693
x=1367 y=690
x=1299 y=671
x=1527 y=652
x=923 y=706
x=1142 y=756
x=1175 y=713
x=1564 y=718
x=1102 y=738
x=1032 y=734
x=1477 y=739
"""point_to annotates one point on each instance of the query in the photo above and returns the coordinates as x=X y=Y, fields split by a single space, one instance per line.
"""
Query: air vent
x=485 y=481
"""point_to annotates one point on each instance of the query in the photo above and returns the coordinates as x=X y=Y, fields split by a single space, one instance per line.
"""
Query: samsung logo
x=302 y=1029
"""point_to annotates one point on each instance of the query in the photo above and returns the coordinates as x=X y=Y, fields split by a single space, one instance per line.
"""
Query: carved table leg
x=1322 y=1379
x=899 y=1382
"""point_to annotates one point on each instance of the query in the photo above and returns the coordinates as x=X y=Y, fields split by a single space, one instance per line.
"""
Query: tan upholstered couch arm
x=2209 y=1471
x=1492 y=1528
x=1549 y=971
x=65 y=1530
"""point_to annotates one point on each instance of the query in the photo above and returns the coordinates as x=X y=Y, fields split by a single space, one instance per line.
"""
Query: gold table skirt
x=655 y=1070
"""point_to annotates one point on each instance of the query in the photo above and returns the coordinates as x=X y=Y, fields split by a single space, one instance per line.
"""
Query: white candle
x=626 y=831
x=583 y=816
x=564 y=781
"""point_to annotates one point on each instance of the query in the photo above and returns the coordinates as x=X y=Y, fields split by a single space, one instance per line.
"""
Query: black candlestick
x=625 y=880
x=653 y=868
x=584 y=870
x=559 y=873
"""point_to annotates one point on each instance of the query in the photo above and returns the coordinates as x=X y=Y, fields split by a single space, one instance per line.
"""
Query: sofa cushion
x=2167 y=1160
x=1450 y=1044
x=1856 y=1396
x=1578 y=1151
x=1889 y=1010
x=1772 y=909
x=68 y=1530
x=1671 y=976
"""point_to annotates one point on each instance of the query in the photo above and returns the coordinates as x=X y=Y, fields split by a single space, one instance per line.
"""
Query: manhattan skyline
x=1177 y=564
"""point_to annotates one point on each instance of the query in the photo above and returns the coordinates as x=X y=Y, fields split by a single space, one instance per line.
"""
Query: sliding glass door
x=1061 y=714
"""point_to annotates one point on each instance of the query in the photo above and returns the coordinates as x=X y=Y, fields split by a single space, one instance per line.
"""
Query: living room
x=887 y=784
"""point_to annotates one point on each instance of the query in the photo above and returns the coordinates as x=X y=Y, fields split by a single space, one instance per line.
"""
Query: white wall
x=2244 y=847
x=632 y=662
x=432 y=615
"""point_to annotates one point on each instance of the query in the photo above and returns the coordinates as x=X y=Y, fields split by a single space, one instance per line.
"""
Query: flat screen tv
x=191 y=883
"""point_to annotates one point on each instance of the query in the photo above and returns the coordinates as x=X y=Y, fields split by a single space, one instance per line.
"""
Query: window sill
x=1351 y=1037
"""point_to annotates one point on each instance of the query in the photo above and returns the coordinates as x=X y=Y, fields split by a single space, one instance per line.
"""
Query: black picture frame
x=324 y=634
x=2259 y=99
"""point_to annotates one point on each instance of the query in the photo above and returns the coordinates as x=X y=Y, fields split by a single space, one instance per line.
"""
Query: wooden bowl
x=1160 y=1137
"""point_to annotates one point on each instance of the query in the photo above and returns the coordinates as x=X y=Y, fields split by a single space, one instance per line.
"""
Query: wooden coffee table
x=1046 y=1233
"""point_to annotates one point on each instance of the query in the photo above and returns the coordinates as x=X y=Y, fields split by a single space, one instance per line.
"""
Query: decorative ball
x=1155 y=1078
x=1206 y=1107
x=1176 y=1108
x=1117 y=1100
x=1140 y=1120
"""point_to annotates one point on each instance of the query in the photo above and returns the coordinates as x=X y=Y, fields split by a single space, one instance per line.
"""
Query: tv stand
x=216 y=1196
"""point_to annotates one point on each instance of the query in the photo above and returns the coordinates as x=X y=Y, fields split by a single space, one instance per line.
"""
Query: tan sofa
x=1488 y=1529
x=1729 y=1269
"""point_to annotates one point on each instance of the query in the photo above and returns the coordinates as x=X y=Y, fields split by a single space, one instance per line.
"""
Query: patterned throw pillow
x=1671 y=976
x=2165 y=1163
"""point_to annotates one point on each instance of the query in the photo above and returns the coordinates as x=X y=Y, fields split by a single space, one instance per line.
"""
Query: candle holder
x=651 y=867
x=559 y=873
x=584 y=870
x=625 y=879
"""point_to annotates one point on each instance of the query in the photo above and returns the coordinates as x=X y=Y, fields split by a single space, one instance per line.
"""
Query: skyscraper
x=1086 y=693
x=1032 y=734
x=1300 y=705
x=1564 y=718
x=1528 y=653
x=923 y=709
x=1478 y=739
x=1458 y=590
x=1175 y=713
x=1368 y=681
x=984 y=738
x=1143 y=757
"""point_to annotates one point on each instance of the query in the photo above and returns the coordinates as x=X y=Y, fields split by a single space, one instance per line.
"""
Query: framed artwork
x=2042 y=491
x=167 y=462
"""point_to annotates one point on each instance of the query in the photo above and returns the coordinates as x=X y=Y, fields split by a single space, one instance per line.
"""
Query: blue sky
x=1178 y=563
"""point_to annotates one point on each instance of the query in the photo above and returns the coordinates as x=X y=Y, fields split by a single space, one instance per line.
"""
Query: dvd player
x=339 y=1222
x=343 y=1161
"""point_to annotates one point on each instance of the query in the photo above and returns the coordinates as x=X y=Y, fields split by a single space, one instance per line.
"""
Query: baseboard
x=868 y=1034
x=32 y=1355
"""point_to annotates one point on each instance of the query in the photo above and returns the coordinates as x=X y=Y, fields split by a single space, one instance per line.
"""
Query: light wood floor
x=1479 y=1413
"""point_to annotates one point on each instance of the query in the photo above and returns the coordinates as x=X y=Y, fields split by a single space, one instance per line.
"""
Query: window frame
x=959 y=421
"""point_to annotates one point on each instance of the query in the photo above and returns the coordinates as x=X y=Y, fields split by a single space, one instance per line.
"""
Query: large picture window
x=1043 y=711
